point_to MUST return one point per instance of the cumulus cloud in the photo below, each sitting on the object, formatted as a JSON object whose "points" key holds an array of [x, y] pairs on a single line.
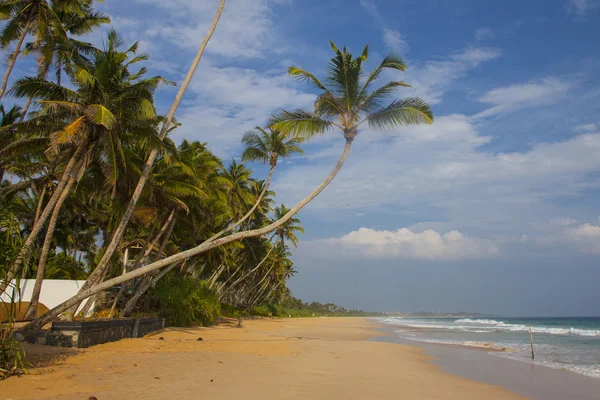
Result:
{"points": [[586, 237], [583, 236], [404, 243]]}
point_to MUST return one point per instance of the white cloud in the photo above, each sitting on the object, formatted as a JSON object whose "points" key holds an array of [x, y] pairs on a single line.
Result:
{"points": [[586, 128], [484, 34], [231, 100], [515, 97], [393, 39], [404, 243], [431, 79], [245, 30], [585, 237], [582, 8]]}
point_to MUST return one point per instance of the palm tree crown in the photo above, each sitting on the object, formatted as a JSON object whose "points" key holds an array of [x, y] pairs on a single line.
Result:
{"points": [[267, 147], [347, 99]]}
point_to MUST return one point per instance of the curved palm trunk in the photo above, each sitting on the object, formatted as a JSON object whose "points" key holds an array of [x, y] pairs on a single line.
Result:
{"points": [[39, 277], [25, 109], [142, 288], [247, 274], [249, 213], [261, 290], [13, 60], [273, 292], [50, 315], [37, 227], [118, 234], [154, 243], [38, 209], [147, 281]]}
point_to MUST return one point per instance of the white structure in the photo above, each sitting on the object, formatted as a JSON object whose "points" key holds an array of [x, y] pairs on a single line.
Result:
{"points": [[54, 291]]}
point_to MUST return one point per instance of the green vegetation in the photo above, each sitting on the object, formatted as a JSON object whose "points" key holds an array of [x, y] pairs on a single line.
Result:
{"points": [[185, 302], [99, 191]]}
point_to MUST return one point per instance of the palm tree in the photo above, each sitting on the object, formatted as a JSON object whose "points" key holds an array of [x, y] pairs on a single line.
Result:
{"points": [[166, 125], [58, 49], [7, 129], [346, 103], [110, 108], [31, 16], [287, 231]]}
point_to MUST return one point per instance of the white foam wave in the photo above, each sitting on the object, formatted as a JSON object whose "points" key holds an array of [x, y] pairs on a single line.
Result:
{"points": [[490, 325]]}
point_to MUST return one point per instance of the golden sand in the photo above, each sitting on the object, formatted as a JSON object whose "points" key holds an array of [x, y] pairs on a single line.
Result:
{"points": [[318, 358]]}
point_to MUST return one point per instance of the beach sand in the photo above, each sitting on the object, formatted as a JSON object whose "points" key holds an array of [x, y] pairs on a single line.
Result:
{"points": [[317, 358]]}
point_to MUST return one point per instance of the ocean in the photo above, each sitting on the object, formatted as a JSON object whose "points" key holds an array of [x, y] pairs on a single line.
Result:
{"points": [[561, 343]]}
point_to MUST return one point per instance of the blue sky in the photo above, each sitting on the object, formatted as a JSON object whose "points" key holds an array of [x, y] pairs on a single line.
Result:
{"points": [[494, 208]]}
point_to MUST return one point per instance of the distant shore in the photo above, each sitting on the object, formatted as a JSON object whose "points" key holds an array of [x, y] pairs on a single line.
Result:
{"points": [[328, 358]]}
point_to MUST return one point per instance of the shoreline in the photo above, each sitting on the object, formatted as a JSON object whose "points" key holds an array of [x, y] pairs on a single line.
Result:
{"points": [[287, 358], [478, 363]]}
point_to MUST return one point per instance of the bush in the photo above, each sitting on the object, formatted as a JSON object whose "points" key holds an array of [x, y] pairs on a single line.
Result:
{"points": [[187, 302], [11, 354]]}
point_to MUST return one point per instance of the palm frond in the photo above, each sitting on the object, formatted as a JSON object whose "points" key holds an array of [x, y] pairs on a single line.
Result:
{"points": [[299, 123], [409, 111]]}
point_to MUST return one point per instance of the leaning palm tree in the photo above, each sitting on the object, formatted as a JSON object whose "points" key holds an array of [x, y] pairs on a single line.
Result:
{"points": [[347, 101], [111, 107]]}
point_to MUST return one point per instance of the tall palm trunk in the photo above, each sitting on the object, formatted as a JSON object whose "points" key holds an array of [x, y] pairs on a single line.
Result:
{"points": [[13, 59], [37, 227], [39, 277], [50, 315], [147, 281], [261, 281], [118, 234], [25, 109], [247, 274], [154, 243], [142, 288], [38, 209]]}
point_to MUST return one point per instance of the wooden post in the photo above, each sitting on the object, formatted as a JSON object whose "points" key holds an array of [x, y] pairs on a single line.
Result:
{"points": [[531, 341]]}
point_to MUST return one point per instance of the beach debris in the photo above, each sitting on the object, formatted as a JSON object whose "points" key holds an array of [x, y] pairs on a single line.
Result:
{"points": [[92, 398], [211, 380], [161, 338], [239, 324], [156, 377], [199, 339]]}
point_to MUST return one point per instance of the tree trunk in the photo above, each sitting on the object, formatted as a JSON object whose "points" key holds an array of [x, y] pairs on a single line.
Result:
{"points": [[247, 274], [142, 288], [39, 277], [37, 227], [13, 60], [216, 275], [245, 217], [118, 234], [38, 209], [25, 109], [261, 281], [154, 243], [50, 315]]}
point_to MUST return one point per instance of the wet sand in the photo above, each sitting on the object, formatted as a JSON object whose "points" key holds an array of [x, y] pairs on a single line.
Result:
{"points": [[318, 358]]}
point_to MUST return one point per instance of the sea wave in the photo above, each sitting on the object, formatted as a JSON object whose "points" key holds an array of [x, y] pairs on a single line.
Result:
{"points": [[491, 325]]}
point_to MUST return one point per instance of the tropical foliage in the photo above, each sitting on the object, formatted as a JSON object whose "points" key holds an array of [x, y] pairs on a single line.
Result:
{"points": [[95, 188]]}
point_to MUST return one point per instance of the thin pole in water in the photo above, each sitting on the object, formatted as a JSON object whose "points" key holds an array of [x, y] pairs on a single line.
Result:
{"points": [[531, 341]]}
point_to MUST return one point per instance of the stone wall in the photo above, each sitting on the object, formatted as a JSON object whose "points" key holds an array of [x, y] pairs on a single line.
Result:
{"points": [[89, 333]]}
